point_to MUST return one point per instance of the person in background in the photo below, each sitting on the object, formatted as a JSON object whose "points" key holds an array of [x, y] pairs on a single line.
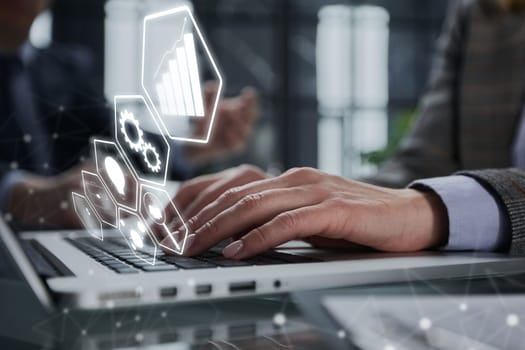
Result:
{"points": [[470, 118], [49, 110]]}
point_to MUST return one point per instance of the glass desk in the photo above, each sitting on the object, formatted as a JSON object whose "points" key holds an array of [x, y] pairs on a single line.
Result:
{"points": [[296, 321]]}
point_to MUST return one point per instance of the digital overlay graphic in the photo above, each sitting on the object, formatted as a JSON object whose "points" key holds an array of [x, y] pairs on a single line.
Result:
{"points": [[129, 191]]}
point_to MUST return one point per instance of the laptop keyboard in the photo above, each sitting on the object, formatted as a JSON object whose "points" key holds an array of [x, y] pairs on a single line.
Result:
{"points": [[115, 254]]}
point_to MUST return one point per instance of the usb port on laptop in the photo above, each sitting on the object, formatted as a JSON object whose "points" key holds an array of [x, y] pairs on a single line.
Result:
{"points": [[168, 292], [237, 287], [203, 289]]}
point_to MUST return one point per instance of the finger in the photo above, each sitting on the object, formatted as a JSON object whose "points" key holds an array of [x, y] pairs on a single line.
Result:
{"points": [[290, 225], [232, 178], [190, 189], [230, 196], [251, 211]]}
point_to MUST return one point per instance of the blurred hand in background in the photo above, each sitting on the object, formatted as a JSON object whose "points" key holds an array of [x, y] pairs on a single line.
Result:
{"points": [[232, 127]]}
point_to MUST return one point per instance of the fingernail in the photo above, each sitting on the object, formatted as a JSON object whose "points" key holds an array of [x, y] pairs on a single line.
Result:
{"points": [[189, 242], [232, 249]]}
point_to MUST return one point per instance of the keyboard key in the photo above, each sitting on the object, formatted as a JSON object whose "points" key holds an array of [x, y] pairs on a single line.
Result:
{"points": [[195, 264], [127, 270], [174, 259], [223, 262], [260, 260], [158, 268]]}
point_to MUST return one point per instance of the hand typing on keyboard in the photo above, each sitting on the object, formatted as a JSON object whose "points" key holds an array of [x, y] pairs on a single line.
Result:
{"points": [[260, 213]]}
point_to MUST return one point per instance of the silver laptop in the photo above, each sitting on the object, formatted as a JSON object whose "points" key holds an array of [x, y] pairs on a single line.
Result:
{"points": [[72, 269]]}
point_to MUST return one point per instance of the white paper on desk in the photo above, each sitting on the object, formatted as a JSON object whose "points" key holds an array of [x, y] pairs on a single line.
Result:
{"points": [[431, 322]]}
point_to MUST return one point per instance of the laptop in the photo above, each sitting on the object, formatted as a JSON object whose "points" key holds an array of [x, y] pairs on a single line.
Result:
{"points": [[74, 270]]}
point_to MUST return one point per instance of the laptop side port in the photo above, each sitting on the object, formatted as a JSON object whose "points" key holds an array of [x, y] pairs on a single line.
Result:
{"points": [[168, 292], [203, 289], [239, 287]]}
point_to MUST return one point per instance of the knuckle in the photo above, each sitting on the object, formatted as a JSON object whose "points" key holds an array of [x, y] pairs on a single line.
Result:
{"points": [[306, 174], [250, 170], [231, 195], [259, 237], [287, 221], [191, 223], [210, 228], [250, 202]]}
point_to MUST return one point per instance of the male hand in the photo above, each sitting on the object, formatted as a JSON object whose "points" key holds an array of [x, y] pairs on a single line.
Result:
{"points": [[232, 127], [306, 203]]}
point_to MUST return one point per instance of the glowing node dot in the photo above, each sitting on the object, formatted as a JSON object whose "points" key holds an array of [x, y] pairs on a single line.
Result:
{"points": [[91, 272], [55, 136], [191, 282], [64, 205], [110, 304], [41, 220], [163, 314], [31, 191], [341, 334], [463, 307], [425, 324], [512, 320], [389, 347], [137, 318], [65, 311], [84, 332], [14, 165], [8, 217], [27, 138], [45, 166], [279, 319], [139, 337], [82, 159], [61, 108], [118, 324]]}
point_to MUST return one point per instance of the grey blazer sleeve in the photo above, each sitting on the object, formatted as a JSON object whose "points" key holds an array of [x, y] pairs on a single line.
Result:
{"points": [[429, 149], [509, 187]]}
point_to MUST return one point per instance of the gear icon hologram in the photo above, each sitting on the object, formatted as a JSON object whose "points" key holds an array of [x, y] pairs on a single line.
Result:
{"points": [[150, 152], [150, 162], [135, 142]]}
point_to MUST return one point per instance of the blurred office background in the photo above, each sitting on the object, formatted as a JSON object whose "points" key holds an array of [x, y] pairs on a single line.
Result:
{"points": [[271, 44]]}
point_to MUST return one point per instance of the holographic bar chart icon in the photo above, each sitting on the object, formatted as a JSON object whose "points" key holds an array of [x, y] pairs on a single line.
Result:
{"points": [[178, 81]]}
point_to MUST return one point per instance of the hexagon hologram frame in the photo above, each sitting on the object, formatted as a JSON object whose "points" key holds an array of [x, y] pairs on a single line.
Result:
{"points": [[178, 245], [117, 100], [99, 234], [210, 58]]}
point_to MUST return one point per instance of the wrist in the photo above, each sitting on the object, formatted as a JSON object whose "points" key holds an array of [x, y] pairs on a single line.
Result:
{"points": [[432, 219]]}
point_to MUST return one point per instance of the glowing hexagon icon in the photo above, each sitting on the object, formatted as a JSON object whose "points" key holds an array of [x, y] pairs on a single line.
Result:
{"points": [[116, 174], [160, 213], [88, 216], [138, 236], [174, 56], [99, 198], [141, 139]]}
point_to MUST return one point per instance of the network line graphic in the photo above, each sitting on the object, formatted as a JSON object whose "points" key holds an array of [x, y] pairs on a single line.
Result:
{"points": [[128, 192]]}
